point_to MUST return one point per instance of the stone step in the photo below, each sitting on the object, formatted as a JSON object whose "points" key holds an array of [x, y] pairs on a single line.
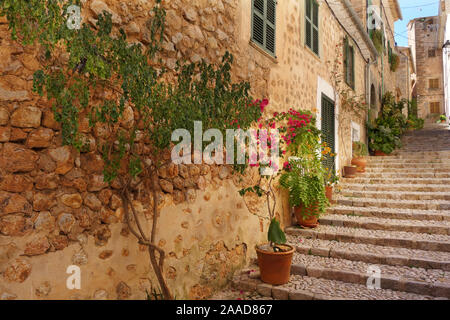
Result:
{"points": [[424, 165], [420, 149], [312, 288], [373, 254], [421, 241], [407, 170], [391, 203], [396, 195], [421, 154], [368, 181], [432, 282], [409, 175], [395, 187], [375, 223], [392, 159], [399, 214]]}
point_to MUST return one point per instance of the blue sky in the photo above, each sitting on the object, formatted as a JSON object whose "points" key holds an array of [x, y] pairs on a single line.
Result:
{"points": [[412, 9]]}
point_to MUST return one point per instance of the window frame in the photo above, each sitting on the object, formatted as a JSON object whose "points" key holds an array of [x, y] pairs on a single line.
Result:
{"points": [[432, 82], [436, 104], [265, 23]]}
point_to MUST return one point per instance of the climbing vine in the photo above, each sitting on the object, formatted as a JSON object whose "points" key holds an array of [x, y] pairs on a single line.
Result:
{"points": [[122, 88]]}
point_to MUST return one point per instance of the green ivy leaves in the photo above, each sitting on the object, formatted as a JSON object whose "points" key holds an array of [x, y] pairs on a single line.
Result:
{"points": [[101, 60]]}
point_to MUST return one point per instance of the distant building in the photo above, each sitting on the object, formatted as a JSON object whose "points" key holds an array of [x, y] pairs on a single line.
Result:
{"points": [[406, 74], [426, 40], [445, 38]]}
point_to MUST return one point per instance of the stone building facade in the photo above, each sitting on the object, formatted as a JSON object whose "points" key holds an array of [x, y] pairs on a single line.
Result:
{"points": [[424, 40], [56, 211], [405, 75]]}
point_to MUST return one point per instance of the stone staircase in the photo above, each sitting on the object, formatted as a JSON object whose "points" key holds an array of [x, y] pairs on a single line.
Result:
{"points": [[396, 216]]}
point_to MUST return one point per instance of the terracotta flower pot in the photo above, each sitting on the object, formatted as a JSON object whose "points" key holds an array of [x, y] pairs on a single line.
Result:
{"points": [[443, 121], [379, 153], [361, 163], [275, 267], [329, 193], [350, 172], [306, 217]]}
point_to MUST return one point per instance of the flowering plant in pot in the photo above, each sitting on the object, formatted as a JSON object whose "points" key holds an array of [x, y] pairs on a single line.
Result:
{"points": [[275, 257], [331, 180], [442, 118], [304, 177], [306, 184], [359, 153]]}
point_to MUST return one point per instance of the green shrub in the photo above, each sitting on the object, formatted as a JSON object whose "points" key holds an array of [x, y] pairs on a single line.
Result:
{"points": [[360, 149], [377, 39]]}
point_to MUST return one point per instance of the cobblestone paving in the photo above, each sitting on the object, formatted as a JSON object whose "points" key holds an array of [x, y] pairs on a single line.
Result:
{"points": [[396, 217]]}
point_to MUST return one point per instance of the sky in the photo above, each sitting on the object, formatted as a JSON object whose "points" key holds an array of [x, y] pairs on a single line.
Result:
{"points": [[412, 9]]}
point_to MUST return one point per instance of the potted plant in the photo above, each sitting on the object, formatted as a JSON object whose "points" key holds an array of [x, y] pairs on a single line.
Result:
{"points": [[443, 119], [274, 257], [360, 153], [350, 171], [331, 179], [306, 185], [382, 141]]}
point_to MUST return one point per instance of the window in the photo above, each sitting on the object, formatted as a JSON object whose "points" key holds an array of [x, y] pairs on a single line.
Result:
{"points": [[263, 24], [312, 26], [356, 132], [435, 107], [434, 83], [349, 64], [431, 53]]}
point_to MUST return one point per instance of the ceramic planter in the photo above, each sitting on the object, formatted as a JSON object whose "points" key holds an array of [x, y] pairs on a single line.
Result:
{"points": [[379, 153], [306, 217], [350, 172], [361, 163], [275, 267]]}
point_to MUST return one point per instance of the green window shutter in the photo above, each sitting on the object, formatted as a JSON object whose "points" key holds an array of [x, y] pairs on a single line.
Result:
{"points": [[270, 25], [308, 27], [263, 24], [315, 31], [346, 59], [328, 129], [349, 63], [312, 25], [352, 69], [258, 22]]}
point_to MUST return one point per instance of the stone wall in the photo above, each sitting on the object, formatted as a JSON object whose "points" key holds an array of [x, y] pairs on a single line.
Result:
{"points": [[56, 210]]}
